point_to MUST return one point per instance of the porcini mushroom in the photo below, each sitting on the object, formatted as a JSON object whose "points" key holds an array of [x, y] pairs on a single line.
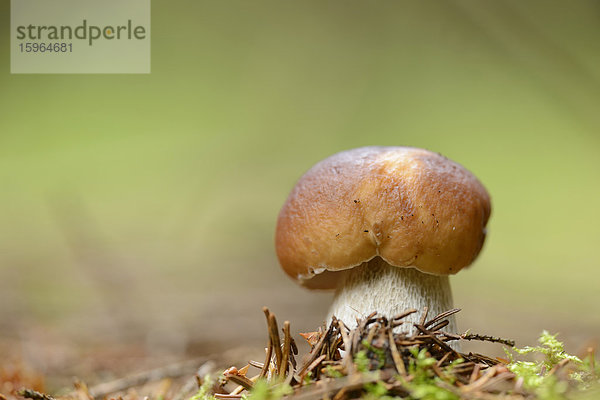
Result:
{"points": [[384, 227]]}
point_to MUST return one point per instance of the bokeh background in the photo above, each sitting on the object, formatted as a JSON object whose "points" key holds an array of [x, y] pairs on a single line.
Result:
{"points": [[137, 211]]}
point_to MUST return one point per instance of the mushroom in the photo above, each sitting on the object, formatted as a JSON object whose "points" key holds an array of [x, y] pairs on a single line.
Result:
{"points": [[384, 227]]}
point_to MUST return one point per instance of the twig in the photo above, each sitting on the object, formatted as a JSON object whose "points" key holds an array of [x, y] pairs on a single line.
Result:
{"points": [[34, 395], [241, 388], [558, 366], [227, 396], [256, 364], [441, 316], [486, 338], [169, 371], [478, 384], [275, 340], [269, 351], [191, 383], [286, 349], [266, 364], [240, 380], [424, 316], [475, 374], [437, 341], [356, 381], [440, 325], [312, 365], [334, 347], [502, 378], [347, 361], [395, 355], [442, 360], [316, 351], [404, 314]]}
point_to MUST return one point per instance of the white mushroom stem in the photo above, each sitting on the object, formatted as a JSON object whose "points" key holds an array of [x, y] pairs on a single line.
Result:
{"points": [[378, 286]]}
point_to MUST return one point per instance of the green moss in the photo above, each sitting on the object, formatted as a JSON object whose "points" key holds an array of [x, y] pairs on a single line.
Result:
{"points": [[545, 377], [379, 353], [361, 361], [538, 376], [376, 391], [552, 349], [308, 378], [263, 391], [425, 383], [332, 372], [206, 390]]}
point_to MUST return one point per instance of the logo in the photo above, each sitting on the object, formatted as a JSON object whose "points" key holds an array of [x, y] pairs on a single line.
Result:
{"points": [[80, 36]]}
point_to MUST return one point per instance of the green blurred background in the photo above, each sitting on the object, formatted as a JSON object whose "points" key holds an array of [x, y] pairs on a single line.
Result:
{"points": [[141, 208]]}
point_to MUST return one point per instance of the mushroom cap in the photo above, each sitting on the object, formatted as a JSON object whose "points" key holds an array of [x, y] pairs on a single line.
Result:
{"points": [[409, 206]]}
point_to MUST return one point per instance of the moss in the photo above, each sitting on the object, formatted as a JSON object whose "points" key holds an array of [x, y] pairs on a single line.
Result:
{"points": [[540, 376], [263, 391], [206, 390], [425, 383], [379, 353], [361, 361]]}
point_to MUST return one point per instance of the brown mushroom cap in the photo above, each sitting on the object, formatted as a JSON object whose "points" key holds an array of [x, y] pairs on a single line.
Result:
{"points": [[411, 207]]}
